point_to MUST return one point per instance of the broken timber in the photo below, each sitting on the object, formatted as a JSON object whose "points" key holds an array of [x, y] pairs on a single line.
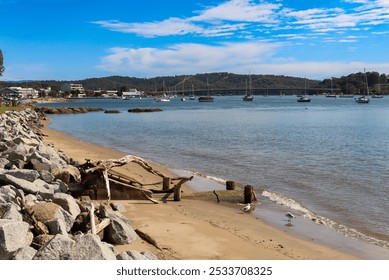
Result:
{"points": [[104, 167]]}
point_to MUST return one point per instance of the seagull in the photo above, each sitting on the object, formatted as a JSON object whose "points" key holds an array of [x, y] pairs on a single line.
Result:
{"points": [[290, 216], [246, 208]]}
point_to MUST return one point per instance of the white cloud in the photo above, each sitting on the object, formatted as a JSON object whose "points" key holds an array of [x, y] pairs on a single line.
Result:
{"points": [[240, 11], [213, 21], [230, 57], [171, 26], [250, 18], [186, 58]]}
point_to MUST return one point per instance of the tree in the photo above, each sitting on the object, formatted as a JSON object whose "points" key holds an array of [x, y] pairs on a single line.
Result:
{"points": [[1, 63]]}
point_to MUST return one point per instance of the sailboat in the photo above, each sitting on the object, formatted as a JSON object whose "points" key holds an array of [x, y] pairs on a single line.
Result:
{"points": [[206, 98], [331, 95], [163, 98], [364, 99], [248, 95], [304, 98]]}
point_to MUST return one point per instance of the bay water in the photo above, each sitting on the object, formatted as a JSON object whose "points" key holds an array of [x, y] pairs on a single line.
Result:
{"points": [[327, 161]]}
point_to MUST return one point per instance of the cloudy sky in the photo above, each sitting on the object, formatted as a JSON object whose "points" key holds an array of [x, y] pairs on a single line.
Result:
{"points": [[70, 39]]}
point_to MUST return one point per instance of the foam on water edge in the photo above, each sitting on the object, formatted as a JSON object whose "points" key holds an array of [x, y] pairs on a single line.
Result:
{"points": [[317, 219], [204, 182]]}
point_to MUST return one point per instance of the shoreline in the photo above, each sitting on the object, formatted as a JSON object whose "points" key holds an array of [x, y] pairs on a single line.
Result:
{"points": [[186, 230]]}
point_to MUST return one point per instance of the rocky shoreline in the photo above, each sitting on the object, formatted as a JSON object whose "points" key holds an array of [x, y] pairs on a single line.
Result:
{"points": [[39, 218]]}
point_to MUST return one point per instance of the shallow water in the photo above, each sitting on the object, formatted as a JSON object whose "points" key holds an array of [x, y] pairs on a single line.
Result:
{"points": [[327, 160]]}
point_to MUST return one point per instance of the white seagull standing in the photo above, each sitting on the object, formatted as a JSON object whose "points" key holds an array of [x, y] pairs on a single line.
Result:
{"points": [[246, 208]]}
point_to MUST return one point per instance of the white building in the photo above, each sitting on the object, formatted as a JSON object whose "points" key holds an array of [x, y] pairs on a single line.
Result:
{"points": [[73, 88], [133, 92], [26, 93], [106, 93]]}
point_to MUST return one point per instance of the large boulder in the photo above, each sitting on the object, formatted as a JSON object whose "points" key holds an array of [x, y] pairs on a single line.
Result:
{"points": [[119, 231], [90, 247], [58, 248], [13, 236], [25, 174], [53, 216], [68, 203], [24, 185]]}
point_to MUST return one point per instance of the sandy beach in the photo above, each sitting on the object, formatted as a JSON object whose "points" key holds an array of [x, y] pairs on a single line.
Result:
{"points": [[194, 228]]}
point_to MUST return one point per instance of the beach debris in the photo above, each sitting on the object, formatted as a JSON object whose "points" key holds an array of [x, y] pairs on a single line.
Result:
{"points": [[104, 166], [217, 196], [148, 238]]}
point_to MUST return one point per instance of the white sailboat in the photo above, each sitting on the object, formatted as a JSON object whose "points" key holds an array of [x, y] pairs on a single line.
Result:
{"points": [[304, 98], [364, 99], [248, 95]]}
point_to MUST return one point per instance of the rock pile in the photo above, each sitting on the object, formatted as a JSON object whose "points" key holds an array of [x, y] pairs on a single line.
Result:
{"points": [[67, 110], [39, 219]]}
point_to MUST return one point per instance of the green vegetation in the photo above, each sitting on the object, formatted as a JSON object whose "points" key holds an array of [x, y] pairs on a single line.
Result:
{"points": [[222, 83], [4, 108]]}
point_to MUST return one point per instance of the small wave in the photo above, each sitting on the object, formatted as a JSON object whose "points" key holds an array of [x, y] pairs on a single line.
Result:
{"points": [[306, 213], [213, 178]]}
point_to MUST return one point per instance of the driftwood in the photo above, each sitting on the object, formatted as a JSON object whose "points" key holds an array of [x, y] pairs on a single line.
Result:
{"points": [[217, 196], [105, 165], [148, 238], [103, 224], [92, 218], [178, 185], [149, 198]]}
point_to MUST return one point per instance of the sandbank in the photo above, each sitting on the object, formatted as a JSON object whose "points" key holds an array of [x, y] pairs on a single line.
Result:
{"points": [[193, 228]]}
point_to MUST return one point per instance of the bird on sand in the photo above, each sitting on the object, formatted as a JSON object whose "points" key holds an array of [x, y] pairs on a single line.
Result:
{"points": [[290, 216], [246, 208]]}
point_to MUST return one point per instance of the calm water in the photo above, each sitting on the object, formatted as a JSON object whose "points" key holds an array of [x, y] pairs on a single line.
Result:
{"points": [[327, 160]]}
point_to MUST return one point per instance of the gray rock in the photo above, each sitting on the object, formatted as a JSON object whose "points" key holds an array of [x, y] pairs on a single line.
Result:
{"points": [[57, 226], [24, 185], [7, 194], [25, 174], [130, 255], [60, 247], [46, 191], [26, 141], [149, 255], [25, 253], [13, 236], [68, 203], [90, 247], [3, 162], [119, 232], [46, 176], [12, 212]]}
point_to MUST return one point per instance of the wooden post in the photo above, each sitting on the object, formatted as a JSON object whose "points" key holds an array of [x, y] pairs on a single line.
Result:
{"points": [[166, 183], [230, 185], [248, 194], [177, 193]]}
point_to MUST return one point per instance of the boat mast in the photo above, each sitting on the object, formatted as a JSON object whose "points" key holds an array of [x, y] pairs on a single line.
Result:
{"points": [[366, 84]]}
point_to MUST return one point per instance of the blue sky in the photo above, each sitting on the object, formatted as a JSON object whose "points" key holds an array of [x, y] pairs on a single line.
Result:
{"points": [[71, 40]]}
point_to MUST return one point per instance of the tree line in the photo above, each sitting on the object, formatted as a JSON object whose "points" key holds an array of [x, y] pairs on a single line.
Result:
{"points": [[229, 82]]}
